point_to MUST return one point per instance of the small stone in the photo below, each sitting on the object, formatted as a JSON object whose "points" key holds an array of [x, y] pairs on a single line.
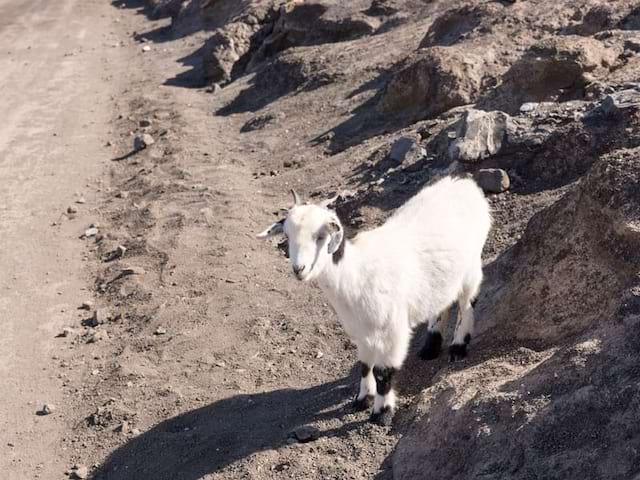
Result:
{"points": [[95, 372], [145, 122], [143, 141], [99, 317], [528, 107], [66, 332], [345, 194], [306, 434], [98, 336], [79, 471], [400, 148], [132, 271], [124, 428], [162, 115], [72, 210], [160, 331], [90, 232], [493, 180], [48, 409], [214, 88], [81, 201], [88, 305], [135, 432], [319, 355], [123, 194], [146, 48]]}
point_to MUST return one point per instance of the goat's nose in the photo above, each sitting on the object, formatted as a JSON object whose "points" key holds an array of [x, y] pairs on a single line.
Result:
{"points": [[298, 269]]}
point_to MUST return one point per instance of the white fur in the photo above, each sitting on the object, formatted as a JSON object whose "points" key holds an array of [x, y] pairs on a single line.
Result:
{"points": [[408, 271]]}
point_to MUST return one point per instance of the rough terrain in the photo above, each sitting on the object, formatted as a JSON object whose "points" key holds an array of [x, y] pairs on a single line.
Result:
{"points": [[184, 124]]}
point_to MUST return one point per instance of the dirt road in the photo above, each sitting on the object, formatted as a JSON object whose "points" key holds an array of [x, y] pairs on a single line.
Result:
{"points": [[56, 101], [249, 354]]}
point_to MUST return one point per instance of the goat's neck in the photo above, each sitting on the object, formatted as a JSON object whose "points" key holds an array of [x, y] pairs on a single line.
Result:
{"points": [[342, 277]]}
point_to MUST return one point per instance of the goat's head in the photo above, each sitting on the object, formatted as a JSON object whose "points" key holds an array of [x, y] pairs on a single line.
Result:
{"points": [[315, 234]]}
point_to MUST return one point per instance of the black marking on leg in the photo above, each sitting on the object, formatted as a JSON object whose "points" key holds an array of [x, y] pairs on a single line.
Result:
{"points": [[458, 351], [432, 346], [467, 338], [384, 417], [384, 379], [359, 405], [473, 302], [362, 404]]}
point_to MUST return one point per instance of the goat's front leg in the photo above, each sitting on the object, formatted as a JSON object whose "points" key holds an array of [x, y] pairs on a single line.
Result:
{"points": [[385, 400], [367, 388]]}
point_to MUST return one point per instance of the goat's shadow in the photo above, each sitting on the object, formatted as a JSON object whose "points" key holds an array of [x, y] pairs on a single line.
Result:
{"points": [[205, 440]]}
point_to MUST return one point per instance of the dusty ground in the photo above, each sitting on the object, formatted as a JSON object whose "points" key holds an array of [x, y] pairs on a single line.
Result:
{"points": [[201, 354], [57, 81]]}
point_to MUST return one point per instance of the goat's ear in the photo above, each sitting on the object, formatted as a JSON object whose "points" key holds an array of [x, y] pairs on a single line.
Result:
{"points": [[328, 201], [296, 198], [336, 235], [274, 229]]}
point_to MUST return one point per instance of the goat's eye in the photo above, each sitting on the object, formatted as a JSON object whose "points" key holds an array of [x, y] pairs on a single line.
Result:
{"points": [[321, 237]]}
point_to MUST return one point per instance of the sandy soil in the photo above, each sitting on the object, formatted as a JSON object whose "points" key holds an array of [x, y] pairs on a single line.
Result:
{"points": [[56, 104]]}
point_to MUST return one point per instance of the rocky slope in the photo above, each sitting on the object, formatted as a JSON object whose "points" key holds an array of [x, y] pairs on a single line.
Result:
{"points": [[218, 354]]}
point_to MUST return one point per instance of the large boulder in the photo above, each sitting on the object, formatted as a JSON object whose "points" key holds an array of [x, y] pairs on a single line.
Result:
{"points": [[224, 49], [325, 21], [458, 24], [479, 135], [314, 23], [557, 69], [435, 80]]}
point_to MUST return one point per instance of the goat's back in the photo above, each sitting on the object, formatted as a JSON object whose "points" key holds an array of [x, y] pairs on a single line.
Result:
{"points": [[451, 209]]}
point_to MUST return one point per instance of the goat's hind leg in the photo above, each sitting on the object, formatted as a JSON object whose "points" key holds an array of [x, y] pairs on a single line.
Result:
{"points": [[466, 320], [433, 343]]}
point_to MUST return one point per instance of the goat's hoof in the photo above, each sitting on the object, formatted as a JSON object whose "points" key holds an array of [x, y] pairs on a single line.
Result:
{"points": [[432, 346], [457, 352], [360, 405], [384, 417]]}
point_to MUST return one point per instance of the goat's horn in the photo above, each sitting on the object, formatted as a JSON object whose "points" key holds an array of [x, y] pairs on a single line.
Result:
{"points": [[296, 197]]}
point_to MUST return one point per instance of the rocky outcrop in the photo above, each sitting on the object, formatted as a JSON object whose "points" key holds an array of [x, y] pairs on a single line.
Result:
{"points": [[224, 49], [435, 80], [555, 69], [258, 34], [315, 23], [570, 303]]}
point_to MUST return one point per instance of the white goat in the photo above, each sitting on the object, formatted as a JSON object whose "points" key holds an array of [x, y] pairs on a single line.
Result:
{"points": [[385, 281]]}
